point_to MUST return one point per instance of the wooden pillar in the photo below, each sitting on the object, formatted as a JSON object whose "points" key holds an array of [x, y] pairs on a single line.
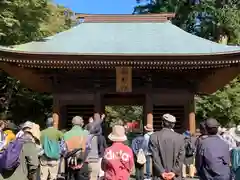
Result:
{"points": [[191, 116], [148, 110], [63, 117], [56, 112], [97, 103]]}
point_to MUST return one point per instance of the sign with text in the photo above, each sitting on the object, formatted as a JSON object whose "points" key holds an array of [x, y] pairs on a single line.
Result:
{"points": [[123, 79]]}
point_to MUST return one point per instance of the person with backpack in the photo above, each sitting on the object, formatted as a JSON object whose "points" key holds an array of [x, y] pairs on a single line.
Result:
{"points": [[97, 145], [117, 162], [213, 157], [138, 147], [19, 160], [149, 131], [49, 161], [76, 140], [189, 155]]}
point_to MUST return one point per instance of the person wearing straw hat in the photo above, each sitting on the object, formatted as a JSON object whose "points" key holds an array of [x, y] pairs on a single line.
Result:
{"points": [[117, 162], [29, 161], [168, 151], [27, 124], [149, 131]]}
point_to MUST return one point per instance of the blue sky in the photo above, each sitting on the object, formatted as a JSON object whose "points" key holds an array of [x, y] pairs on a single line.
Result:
{"points": [[100, 6]]}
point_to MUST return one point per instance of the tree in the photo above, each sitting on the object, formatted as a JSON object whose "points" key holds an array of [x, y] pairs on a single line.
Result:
{"points": [[20, 22], [123, 114], [223, 105], [209, 19]]}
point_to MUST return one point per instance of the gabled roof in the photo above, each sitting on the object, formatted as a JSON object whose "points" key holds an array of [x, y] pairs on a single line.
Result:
{"points": [[137, 38]]}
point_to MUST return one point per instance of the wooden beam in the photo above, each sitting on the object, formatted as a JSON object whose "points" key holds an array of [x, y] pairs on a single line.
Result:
{"points": [[27, 77], [218, 79]]}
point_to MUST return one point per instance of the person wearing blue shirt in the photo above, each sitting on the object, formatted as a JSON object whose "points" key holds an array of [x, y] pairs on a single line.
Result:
{"points": [[137, 144]]}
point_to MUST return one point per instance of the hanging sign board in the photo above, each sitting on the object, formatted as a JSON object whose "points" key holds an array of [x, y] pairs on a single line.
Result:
{"points": [[123, 79]]}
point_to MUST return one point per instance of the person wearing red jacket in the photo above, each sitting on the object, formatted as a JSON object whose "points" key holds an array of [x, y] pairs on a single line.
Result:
{"points": [[118, 161]]}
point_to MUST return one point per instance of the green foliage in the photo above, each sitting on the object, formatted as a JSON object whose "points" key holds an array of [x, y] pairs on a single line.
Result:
{"points": [[207, 18], [122, 114], [219, 19], [24, 21], [223, 105], [20, 22]]}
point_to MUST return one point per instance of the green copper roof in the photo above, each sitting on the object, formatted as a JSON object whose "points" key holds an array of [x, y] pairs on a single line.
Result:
{"points": [[125, 38]]}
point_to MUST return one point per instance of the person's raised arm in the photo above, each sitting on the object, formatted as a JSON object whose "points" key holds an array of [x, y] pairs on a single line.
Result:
{"points": [[96, 123]]}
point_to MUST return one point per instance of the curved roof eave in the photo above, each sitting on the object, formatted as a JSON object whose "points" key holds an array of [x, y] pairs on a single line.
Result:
{"points": [[11, 53]]}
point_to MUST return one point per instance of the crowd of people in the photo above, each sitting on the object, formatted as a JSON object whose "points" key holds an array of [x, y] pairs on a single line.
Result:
{"points": [[83, 153]]}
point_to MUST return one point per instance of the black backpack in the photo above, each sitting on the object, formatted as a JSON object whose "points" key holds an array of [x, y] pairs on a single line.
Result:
{"points": [[189, 147]]}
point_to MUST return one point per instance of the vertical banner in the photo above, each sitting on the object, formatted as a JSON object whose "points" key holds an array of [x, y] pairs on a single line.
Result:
{"points": [[123, 79]]}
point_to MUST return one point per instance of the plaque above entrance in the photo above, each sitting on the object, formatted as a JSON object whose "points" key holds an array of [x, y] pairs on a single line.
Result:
{"points": [[123, 79]]}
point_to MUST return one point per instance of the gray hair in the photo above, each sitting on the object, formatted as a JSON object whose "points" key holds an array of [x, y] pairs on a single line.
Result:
{"points": [[77, 120], [50, 122]]}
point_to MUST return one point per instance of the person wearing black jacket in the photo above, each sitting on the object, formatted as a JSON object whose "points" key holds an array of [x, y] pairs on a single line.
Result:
{"points": [[97, 143]]}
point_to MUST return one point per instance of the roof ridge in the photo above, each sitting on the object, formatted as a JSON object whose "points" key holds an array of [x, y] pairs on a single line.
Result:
{"points": [[121, 18]]}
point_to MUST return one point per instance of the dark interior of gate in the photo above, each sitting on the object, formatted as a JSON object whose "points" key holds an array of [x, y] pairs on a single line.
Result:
{"points": [[87, 110], [83, 92]]}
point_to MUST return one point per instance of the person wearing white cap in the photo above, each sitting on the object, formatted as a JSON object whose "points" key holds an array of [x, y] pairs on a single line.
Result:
{"points": [[168, 150]]}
